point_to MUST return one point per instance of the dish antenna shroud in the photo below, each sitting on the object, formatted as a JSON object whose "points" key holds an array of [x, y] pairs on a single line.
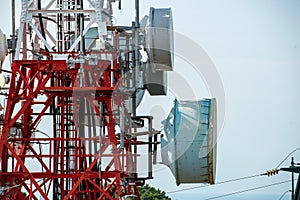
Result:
{"points": [[160, 47], [189, 148], [160, 38], [3, 48]]}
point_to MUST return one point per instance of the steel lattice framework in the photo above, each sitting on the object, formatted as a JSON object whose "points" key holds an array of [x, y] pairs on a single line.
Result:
{"points": [[91, 151]]}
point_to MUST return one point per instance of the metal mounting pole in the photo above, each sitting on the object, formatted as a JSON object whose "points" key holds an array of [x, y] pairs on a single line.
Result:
{"points": [[136, 69], [13, 15], [13, 26], [293, 163], [100, 136], [137, 13], [136, 54]]}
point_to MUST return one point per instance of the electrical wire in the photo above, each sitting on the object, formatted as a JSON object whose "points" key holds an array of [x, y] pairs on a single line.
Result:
{"points": [[8, 188], [287, 157], [222, 182], [43, 133], [233, 180], [284, 194], [248, 190]]}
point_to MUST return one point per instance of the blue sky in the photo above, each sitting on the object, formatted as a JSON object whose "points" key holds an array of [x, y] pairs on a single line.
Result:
{"points": [[255, 45]]}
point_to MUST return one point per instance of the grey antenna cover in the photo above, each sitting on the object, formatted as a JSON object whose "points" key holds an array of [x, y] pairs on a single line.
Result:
{"points": [[161, 40]]}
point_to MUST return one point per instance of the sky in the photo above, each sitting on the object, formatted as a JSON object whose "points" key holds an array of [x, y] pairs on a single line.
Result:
{"points": [[255, 47]]}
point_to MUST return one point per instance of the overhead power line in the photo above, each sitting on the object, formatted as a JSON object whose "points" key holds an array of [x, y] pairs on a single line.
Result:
{"points": [[287, 157], [250, 189], [222, 182], [284, 194], [269, 173]]}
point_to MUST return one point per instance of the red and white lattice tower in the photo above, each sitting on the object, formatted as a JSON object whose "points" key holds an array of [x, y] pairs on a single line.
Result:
{"points": [[75, 74]]}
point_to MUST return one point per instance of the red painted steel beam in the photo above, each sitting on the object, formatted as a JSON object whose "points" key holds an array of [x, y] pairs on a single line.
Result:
{"points": [[33, 80]]}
